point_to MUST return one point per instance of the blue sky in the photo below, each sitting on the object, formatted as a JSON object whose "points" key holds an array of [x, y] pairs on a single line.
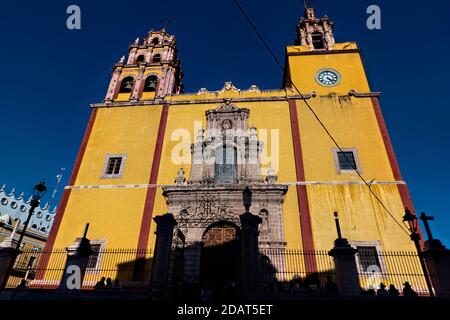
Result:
{"points": [[52, 74]]}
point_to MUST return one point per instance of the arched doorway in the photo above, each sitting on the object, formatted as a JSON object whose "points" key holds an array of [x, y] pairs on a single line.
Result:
{"points": [[221, 256]]}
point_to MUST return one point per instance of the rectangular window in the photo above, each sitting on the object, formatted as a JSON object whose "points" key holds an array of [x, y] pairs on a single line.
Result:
{"points": [[368, 256], [113, 166], [346, 161], [93, 258]]}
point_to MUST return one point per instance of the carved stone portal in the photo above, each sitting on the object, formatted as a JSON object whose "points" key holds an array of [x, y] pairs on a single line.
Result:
{"points": [[226, 159]]}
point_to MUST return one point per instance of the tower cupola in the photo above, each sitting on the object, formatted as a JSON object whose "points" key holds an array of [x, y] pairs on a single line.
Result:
{"points": [[313, 32], [151, 70]]}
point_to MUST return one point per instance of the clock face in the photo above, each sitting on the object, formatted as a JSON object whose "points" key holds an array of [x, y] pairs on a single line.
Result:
{"points": [[328, 77]]}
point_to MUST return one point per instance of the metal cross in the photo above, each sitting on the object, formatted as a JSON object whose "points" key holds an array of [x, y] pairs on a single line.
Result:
{"points": [[425, 220]]}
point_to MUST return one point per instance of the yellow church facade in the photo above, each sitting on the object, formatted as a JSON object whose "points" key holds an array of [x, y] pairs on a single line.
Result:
{"points": [[138, 156]]}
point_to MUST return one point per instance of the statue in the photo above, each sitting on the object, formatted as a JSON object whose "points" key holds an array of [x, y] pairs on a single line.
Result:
{"points": [[226, 124], [180, 179]]}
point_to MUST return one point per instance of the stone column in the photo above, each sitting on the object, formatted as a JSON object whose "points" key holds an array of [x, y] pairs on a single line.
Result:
{"points": [[191, 259], [250, 257], [437, 259], [8, 255], [77, 259], [346, 270], [163, 247], [139, 85], [114, 83]]}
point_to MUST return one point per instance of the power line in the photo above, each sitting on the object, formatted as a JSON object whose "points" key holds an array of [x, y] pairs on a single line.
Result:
{"points": [[260, 37]]}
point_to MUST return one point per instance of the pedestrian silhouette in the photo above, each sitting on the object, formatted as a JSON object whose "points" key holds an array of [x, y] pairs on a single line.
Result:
{"points": [[393, 291], [382, 292], [408, 291], [109, 284], [22, 284], [100, 284]]}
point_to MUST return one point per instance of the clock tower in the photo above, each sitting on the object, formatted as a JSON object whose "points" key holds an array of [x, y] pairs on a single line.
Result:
{"points": [[317, 63]]}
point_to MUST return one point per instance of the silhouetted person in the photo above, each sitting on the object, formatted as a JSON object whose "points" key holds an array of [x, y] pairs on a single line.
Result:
{"points": [[100, 285], [408, 291], [22, 284], [331, 286], [108, 284], [382, 292], [393, 291]]}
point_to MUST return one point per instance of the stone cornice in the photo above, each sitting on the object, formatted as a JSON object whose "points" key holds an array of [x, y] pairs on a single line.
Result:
{"points": [[219, 100], [355, 94], [317, 52], [228, 188]]}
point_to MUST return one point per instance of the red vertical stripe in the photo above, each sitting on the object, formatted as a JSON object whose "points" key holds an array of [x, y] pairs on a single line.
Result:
{"points": [[151, 192], [65, 197], [302, 193], [402, 189]]}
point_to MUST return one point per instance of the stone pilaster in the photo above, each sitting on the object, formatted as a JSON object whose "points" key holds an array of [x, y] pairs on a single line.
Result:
{"points": [[346, 270], [8, 255], [163, 246], [138, 86], [77, 256], [192, 260], [250, 257], [113, 84], [437, 259]]}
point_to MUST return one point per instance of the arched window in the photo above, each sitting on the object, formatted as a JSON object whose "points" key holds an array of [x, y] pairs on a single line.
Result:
{"points": [[155, 40], [225, 168], [140, 59], [156, 58], [317, 39], [126, 85], [150, 84]]}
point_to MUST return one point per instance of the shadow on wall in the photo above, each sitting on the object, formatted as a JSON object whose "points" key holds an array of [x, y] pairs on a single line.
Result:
{"points": [[280, 273]]}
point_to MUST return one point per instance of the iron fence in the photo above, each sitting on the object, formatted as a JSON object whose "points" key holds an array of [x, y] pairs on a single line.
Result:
{"points": [[391, 268], [310, 271], [293, 270], [127, 268], [296, 270]]}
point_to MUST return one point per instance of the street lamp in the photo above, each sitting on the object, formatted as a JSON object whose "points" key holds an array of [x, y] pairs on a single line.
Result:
{"points": [[413, 224], [38, 192]]}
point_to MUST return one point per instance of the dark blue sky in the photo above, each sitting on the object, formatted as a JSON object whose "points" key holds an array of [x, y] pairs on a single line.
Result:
{"points": [[50, 74]]}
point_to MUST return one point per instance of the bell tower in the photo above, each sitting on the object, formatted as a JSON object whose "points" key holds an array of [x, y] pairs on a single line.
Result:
{"points": [[151, 70], [316, 63], [313, 32]]}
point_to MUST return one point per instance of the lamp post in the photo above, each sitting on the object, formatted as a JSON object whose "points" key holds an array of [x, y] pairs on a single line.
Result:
{"points": [[38, 192], [412, 224]]}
